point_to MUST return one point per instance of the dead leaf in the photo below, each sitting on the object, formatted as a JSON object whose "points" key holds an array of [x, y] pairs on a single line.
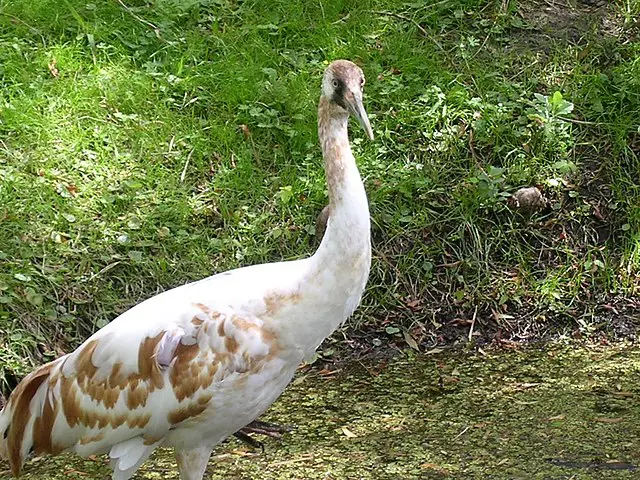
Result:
{"points": [[597, 213], [557, 417], [243, 453], [52, 68], [413, 304], [72, 189], [299, 379], [611, 308], [507, 343], [447, 380], [608, 420], [348, 433], [433, 351], [525, 386], [245, 131], [410, 341], [461, 321], [623, 394], [433, 466]]}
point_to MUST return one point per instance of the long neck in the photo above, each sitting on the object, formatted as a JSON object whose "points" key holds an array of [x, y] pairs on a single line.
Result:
{"points": [[348, 227], [331, 284]]}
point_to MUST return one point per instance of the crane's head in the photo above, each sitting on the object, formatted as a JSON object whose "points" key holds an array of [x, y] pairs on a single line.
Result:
{"points": [[342, 85]]}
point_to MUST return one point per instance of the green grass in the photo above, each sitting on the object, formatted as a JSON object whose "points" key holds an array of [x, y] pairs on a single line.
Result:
{"points": [[102, 109]]}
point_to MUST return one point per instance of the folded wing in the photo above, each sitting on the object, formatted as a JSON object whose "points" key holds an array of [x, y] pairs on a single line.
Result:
{"points": [[125, 389]]}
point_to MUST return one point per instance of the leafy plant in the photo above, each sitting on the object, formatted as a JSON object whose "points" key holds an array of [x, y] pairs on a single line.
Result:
{"points": [[549, 114], [490, 186]]}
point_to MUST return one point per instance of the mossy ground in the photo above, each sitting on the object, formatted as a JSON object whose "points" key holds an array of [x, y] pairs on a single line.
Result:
{"points": [[557, 412]]}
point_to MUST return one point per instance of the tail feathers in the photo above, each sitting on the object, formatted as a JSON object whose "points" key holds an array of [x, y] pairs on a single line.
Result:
{"points": [[127, 456], [17, 418]]}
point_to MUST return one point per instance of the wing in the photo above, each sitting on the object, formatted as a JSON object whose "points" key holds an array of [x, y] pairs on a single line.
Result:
{"points": [[133, 382]]}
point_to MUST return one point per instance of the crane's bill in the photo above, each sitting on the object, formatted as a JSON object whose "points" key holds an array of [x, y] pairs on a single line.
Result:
{"points": [[358, 111]]}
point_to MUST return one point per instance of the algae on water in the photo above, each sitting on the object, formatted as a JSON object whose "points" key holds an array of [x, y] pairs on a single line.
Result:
{"points": [[553, 413]]}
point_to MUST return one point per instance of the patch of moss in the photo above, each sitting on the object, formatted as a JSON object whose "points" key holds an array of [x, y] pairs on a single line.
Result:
{"points": [[555, 412]]}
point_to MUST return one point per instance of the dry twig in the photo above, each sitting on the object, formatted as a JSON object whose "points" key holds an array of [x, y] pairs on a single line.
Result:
{"points": [[473, 322], [186, 164], [411, 20], [155, 29]]}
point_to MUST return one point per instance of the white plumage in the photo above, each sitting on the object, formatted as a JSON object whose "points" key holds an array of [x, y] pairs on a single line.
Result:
{"points": [[191, 366]]}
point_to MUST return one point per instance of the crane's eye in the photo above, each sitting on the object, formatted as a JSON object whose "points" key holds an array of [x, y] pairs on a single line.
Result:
{"points": [[335, 84], [362, 82]]}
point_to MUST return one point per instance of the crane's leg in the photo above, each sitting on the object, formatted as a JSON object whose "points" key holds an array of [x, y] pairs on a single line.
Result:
{"points": [[193, 463], [272, 430]]}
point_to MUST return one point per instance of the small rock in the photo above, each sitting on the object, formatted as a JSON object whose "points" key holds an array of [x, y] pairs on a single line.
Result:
{"points": [[528, 199]]}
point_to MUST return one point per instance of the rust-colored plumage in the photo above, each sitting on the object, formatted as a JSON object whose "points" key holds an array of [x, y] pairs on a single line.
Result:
{"points": [[19, 401]]}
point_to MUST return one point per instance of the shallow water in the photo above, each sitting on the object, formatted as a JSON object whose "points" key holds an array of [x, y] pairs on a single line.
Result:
{"points": [[552, 413]]}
